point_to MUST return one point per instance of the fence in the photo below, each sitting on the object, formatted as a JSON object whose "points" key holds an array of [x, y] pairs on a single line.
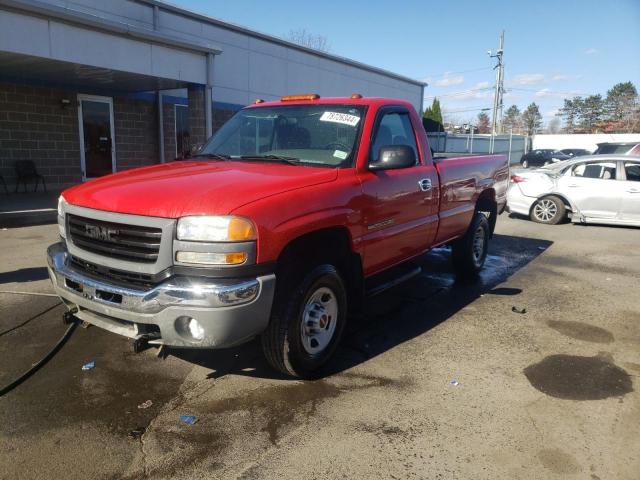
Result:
{"points": [[514, 146]]}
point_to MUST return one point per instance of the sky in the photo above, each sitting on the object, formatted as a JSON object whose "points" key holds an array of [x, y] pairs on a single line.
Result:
{"points": [[554, 49]]}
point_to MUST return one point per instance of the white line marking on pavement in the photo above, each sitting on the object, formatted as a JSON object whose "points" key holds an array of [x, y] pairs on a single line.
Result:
{"points": [[30, 293]]}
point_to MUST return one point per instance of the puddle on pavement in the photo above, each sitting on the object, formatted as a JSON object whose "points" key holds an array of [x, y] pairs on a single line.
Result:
{"points": [[581, 331], [61, 394], [271, 411], [579, 378], [558, 461], [280, 404]]}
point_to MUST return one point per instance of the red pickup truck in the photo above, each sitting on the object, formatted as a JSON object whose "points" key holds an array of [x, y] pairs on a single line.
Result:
{"points": [[281, 225]]}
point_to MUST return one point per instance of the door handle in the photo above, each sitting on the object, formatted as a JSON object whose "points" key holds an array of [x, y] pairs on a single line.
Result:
{"points": [[425, 184], [633, 190], [573, 185]]}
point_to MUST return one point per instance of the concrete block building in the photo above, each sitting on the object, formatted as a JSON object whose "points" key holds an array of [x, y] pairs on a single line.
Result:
{"points": [[91, 87]]}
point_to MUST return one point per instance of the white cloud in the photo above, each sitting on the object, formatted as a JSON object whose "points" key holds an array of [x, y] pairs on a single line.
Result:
{"points": [[528, 79], [591, 51], [561, 77], [449, 80], [548, 93]]}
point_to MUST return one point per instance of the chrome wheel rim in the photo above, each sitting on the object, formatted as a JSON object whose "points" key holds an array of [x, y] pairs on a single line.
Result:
{"points": [[525, 164], [545, 210], [319, 319], [478, 245]]}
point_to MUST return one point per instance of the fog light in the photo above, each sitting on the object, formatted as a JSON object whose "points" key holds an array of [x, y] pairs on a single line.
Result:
{"points": [[190, 328]]}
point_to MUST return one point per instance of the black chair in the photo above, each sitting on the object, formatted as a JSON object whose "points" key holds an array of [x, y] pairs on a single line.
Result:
{"points": [[25, 172], [4, 185]]}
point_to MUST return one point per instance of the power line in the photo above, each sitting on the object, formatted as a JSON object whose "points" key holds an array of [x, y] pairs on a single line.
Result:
{"points": [[457, 94], [456, 73], [545, 91], [467, 110]]}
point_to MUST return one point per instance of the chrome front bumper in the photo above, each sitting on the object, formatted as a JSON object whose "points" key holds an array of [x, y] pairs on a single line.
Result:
{"points": [[229, 311]]}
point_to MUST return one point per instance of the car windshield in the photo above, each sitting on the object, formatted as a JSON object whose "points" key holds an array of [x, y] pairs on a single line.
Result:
{"points": [[318, 135], [612, 148]]}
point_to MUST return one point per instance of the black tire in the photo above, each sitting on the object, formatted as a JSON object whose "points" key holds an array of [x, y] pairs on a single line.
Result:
{"points": [[282, 342], [549, 210], [467, 259], [525, 163]]}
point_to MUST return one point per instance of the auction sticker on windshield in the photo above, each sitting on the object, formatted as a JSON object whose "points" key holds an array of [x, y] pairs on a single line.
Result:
{"points": [[337, 117]]}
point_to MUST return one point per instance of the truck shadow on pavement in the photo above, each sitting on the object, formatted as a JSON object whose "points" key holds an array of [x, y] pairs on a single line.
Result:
{"points": [[23, 275], [397, 315]]}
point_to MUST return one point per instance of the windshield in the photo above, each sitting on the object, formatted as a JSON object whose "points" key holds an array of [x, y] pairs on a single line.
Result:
{"points": [[612, 148], [319, 135]]}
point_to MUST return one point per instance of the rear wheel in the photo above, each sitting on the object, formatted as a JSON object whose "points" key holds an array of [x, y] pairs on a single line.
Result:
{"points": [[549, 210], [470, 251], [307, 321]]}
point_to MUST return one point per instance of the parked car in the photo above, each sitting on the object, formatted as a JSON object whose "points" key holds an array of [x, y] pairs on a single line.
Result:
{"points": [[286, 219], [619, 148], [594, 189], [575, 152], [542, 157]]}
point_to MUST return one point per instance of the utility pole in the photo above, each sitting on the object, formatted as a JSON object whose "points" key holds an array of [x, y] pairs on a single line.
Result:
{"points": [[499, 90]]}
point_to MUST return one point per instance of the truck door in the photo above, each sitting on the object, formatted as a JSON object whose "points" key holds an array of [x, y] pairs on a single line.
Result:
{"points": [[401, 211]]}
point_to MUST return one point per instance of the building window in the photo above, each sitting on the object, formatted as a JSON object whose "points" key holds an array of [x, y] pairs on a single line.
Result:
{"points": [[183, 143]]}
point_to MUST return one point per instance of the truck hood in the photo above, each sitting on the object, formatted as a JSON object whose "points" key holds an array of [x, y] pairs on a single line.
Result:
{"points": [[183, 188]]}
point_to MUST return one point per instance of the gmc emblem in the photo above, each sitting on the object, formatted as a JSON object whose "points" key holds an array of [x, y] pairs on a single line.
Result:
{"points": [[100, 233]]}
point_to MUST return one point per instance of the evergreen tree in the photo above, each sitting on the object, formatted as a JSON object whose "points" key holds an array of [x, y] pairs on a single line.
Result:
{"points": [[483, 123], [432, 117], [512, 120], [434, 112], [592, 113], [532, 119]]}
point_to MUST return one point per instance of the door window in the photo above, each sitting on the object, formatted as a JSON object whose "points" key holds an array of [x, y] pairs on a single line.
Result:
{"points": [[600, 170], [632, 171], [394, 129]]}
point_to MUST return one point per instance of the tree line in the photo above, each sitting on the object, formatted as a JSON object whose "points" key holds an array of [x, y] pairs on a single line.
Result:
{"points": [[617, 112]]}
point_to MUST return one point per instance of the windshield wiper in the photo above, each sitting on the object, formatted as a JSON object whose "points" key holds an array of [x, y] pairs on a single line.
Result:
{"points": [[215, 156], [275, 158]]}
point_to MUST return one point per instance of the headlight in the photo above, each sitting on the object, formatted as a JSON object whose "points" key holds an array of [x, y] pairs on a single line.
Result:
{"points": [[61, 208], [226, 228]]}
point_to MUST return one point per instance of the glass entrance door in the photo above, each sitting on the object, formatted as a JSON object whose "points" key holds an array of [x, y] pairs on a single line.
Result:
{"points": [[97, 145]]}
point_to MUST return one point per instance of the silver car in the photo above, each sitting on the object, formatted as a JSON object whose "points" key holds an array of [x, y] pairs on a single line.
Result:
{"points": [[601, 189]]}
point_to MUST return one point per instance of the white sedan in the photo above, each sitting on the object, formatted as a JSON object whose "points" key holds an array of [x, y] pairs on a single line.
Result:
{"points": [[595, 189]]}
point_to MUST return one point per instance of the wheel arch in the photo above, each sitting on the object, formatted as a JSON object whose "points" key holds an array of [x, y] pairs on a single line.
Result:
{"points": [[330, 244], [487, 202], [562, 197]]}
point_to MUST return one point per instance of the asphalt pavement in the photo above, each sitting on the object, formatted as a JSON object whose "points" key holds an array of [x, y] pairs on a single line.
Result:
{"points": [[530, 373]]}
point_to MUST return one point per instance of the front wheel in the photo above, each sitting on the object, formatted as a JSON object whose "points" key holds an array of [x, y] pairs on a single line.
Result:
{"points": [[307, 321], [549, 210], [470, 251], [525, 163]]}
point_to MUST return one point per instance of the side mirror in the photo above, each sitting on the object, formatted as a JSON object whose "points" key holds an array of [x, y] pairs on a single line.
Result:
{"points": [[393, 157]]}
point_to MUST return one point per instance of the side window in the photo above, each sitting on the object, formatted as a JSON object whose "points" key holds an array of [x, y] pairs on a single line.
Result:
{"points": [[601, 170], [632, 171], [394, 129]]}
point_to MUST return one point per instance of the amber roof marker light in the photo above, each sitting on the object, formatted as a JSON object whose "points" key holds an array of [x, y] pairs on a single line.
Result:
{"points": [[297, 98], [356, 96], [259, 100]]}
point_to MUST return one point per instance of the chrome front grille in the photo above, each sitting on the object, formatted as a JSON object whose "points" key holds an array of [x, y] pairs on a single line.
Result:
{"points": [[134, 243]]}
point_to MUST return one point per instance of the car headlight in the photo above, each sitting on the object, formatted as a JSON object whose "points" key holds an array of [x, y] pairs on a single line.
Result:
{"points": [[224, 228], [61, 208]]}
